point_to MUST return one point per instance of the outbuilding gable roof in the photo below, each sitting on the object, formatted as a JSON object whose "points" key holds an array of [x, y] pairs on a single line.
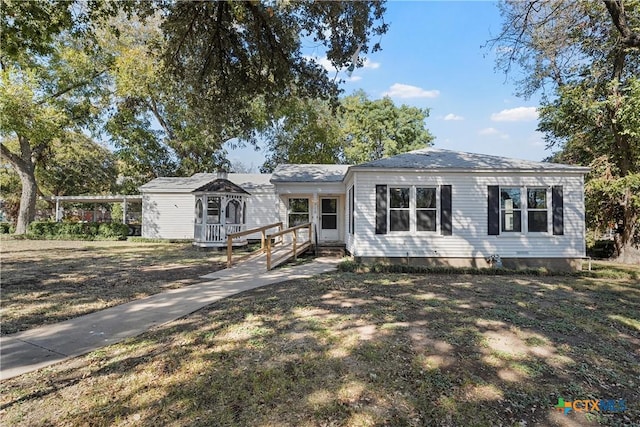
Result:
{"points": [[436, 158], [309, 173], [250, 182], [220, 185]]}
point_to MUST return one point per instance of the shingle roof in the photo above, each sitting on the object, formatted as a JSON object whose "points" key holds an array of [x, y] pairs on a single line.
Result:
{"points": [[220, 185], [309, 173], [436, 158], [249, 182]]}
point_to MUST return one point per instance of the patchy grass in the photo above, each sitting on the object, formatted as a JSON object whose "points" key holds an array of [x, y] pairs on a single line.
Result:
{"points": [[49, 281], [361, 350]]}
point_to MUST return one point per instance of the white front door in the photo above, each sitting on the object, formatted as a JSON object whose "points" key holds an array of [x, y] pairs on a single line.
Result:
{"points": [[329, 219]]}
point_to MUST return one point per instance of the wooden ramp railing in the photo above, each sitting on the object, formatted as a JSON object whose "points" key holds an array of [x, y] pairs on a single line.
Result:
{"points": [[297, 247], [263, 239], [275, 254]]}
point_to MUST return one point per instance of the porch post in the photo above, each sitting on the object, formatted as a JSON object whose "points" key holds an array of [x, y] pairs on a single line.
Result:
{"points": [[58, 213], [124, 210]]}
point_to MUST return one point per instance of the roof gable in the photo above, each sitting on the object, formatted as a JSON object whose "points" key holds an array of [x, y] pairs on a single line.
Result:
{"points": [[220, 185], [309, 173], [250, 182]]}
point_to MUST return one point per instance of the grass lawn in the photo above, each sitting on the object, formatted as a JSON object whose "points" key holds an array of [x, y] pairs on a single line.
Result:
{"points": [[49, 281], [362, 350]]}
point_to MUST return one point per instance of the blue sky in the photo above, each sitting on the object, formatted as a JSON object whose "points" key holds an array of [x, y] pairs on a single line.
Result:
{"points": [[432, 57]]}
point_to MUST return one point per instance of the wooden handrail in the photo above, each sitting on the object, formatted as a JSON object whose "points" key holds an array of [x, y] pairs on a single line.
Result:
{"points": [[289, 230], [254, 230], [262, 230], [295, 245]]}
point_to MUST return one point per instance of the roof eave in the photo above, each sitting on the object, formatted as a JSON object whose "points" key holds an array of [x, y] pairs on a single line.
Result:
{"points": [[572, 170]]}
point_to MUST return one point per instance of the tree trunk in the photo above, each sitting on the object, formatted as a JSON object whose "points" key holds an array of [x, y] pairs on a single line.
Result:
{"points": [[24, 166], [27, 211], [628, 253]]}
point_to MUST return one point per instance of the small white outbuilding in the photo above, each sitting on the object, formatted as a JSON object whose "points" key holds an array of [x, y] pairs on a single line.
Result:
{"points": [[180, 208]]}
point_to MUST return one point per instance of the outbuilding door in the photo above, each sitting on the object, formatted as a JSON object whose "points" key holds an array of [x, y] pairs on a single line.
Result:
{"points": [[329, 219]]}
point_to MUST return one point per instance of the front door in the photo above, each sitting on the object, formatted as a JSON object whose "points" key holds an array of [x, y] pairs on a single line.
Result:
{"points": [[329, 219]]}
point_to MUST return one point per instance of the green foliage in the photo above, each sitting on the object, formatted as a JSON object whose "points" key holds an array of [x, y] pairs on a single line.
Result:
{"points": [[78, 230], [76, 165], [357, 131], [375, 129], [117, 212], [113, 229], [225, 55], [308, 132], [588, 56], [6, 228]]}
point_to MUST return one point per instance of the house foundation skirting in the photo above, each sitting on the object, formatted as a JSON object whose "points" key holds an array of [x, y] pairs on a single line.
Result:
{"points": [[553, 264]]}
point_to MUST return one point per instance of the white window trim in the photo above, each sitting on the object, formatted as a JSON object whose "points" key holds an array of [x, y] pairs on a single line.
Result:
{"points": [[413, 221], [290, 212], [524, 212]]}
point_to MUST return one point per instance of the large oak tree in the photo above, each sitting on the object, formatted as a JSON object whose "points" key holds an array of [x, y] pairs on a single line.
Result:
{"points": [[230, 66], [585, 59]]}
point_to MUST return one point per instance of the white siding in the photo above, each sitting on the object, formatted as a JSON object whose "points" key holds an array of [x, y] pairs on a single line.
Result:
{"points": [[262, 209], [171, 215], [469, 214], [168, 215]]}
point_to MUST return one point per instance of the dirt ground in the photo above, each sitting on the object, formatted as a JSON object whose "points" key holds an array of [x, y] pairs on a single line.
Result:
{"points": [[50, 281], [347, 349]]}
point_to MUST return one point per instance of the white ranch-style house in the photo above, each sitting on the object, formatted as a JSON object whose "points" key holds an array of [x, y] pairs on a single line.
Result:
{"points": [[428, 206]]}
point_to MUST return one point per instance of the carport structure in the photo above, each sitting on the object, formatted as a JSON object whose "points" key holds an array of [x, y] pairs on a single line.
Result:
{"points": [[99, 199]]}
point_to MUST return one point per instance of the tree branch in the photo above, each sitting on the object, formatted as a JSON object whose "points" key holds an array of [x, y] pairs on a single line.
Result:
{"points": [[153, 106], [73, 86], [16, 161], [616, 10]]}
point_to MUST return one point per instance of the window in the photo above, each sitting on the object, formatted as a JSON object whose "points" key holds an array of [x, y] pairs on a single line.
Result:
{"points": [[213, 210], [329, 216], [399, 210], [233, 212], [426, 209], [537, 209], [199, 211], [414, 209], [525, 209], [510, 209], [298, 212]]}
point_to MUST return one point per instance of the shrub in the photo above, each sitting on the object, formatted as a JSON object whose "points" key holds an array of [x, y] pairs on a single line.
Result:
{"points": [[349, 265], [42, 228], [602, 249], [77, 230], [113, 229], [6, 228]]}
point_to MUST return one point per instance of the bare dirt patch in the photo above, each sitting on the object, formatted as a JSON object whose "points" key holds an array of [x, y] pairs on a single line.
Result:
{"points": [[45, 282], [362, 350]]}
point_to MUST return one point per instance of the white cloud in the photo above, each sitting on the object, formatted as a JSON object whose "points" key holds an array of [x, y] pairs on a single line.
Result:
{"points": [[324, 62], [518, 114], [399, 90], [493, 132], [370, 64], [453, 117]]}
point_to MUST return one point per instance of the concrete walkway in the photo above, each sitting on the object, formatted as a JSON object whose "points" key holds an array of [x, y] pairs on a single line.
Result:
{"points": [[36, 348]]}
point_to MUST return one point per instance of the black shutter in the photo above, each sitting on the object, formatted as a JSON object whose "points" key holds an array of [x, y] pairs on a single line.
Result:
{"points": [[445, 210], [381, 209], [493, 209], [558, 213]]}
